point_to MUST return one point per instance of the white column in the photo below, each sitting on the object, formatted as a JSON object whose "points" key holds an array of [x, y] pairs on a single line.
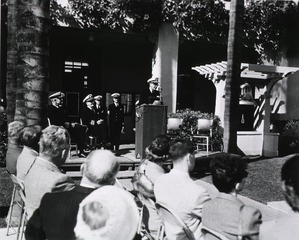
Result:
{"points": [[220, 100], [165, 65]]}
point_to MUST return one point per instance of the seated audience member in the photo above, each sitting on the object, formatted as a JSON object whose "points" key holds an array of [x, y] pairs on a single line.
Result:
{"points": [[44, 175], [143, 181], [57, 116], [179, 192], [14, 147], [56, 216], [108, 213], [29, 138], [227, 214], [286, 227]]}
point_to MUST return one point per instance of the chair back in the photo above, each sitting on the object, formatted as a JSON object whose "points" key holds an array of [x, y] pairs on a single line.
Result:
{"points": [[172, 221], [18, 198], [15, 182], [210, 234], [142, 228]]}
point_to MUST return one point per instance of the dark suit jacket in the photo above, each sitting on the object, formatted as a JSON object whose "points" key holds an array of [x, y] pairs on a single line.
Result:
{"points": [[148, 97], [116, 115], [56, 216], [87, 116], [57, 116], [100, 113]]}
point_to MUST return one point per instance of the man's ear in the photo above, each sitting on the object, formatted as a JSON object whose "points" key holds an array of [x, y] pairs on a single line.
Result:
{"points": [[240, 186], [64, 153], [188, 158], [82, 168], [290, 196], [287, 189]]}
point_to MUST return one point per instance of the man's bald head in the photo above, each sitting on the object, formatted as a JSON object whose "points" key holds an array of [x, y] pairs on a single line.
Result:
{"points": [[100, 168]]}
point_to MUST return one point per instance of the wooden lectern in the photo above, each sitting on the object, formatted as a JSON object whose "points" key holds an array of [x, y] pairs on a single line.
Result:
{"points": [[151, 120]]}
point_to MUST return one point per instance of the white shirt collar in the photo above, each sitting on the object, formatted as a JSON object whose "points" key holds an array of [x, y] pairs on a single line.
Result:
{"points": [[177, 171], [44, 160], [87, 185]]}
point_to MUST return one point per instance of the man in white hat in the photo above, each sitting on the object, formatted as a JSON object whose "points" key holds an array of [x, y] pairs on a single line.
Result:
{"points": [[116, 120], [108, 213], [56, 114], [100, 121], [151, 95], [89, 115]]}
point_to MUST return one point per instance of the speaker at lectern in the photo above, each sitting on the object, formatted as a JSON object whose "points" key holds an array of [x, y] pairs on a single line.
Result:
{"points": [[151, 120]]}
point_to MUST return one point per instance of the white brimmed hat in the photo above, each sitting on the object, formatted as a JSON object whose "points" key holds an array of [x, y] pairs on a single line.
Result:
{"points": [[153, 80], [108, 213], [88, 98], [57, 95], [98, 97], [115, 95]]}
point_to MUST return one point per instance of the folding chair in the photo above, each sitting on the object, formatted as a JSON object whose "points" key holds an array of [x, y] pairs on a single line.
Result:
{"points": [[73, 146], [203, 142], [212, 233], [142, 229], [24, 218], [172, 220], [16, 200]]}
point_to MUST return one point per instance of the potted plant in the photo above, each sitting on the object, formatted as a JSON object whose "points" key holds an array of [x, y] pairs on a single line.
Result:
{"points": [[174, 121], [187, 122], [204, 121]]}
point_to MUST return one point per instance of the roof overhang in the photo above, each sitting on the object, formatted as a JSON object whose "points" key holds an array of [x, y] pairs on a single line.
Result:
{"points": [[217, 71]]}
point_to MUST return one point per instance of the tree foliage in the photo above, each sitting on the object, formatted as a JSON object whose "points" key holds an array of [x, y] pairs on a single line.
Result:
{"points": [[269, 26]]}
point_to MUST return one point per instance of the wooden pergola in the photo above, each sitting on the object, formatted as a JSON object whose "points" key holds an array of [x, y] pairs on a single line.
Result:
{"points": [[262, 78]]}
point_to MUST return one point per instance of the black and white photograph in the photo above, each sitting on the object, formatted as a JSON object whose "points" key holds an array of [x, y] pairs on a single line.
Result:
{"points": [[149, 119]]}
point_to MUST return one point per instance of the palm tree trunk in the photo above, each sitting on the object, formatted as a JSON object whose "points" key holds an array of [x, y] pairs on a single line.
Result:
{"points": [[11, 78], [33, 41], [232, 87]]}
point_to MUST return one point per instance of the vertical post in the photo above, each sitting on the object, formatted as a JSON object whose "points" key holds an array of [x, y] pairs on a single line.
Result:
{"points": [[165, 65], [232, 87], [1, 54]]}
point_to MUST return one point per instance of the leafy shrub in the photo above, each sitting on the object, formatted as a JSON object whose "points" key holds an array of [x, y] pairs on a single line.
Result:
{"points": [[291, 132], [289, 136], [3, 136]]}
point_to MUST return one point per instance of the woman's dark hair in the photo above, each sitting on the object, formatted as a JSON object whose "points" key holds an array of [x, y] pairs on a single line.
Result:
{"points": [[227, 170], [158, 150], [290, 173]]}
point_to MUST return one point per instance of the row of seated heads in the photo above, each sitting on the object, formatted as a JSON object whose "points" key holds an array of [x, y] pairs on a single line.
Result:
{"points": [[226, 169], [51, 140], [102, 215]]}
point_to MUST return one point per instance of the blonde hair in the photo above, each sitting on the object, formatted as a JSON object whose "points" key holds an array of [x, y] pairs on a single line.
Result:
{"points": [[14, 130], [54, 140]]}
